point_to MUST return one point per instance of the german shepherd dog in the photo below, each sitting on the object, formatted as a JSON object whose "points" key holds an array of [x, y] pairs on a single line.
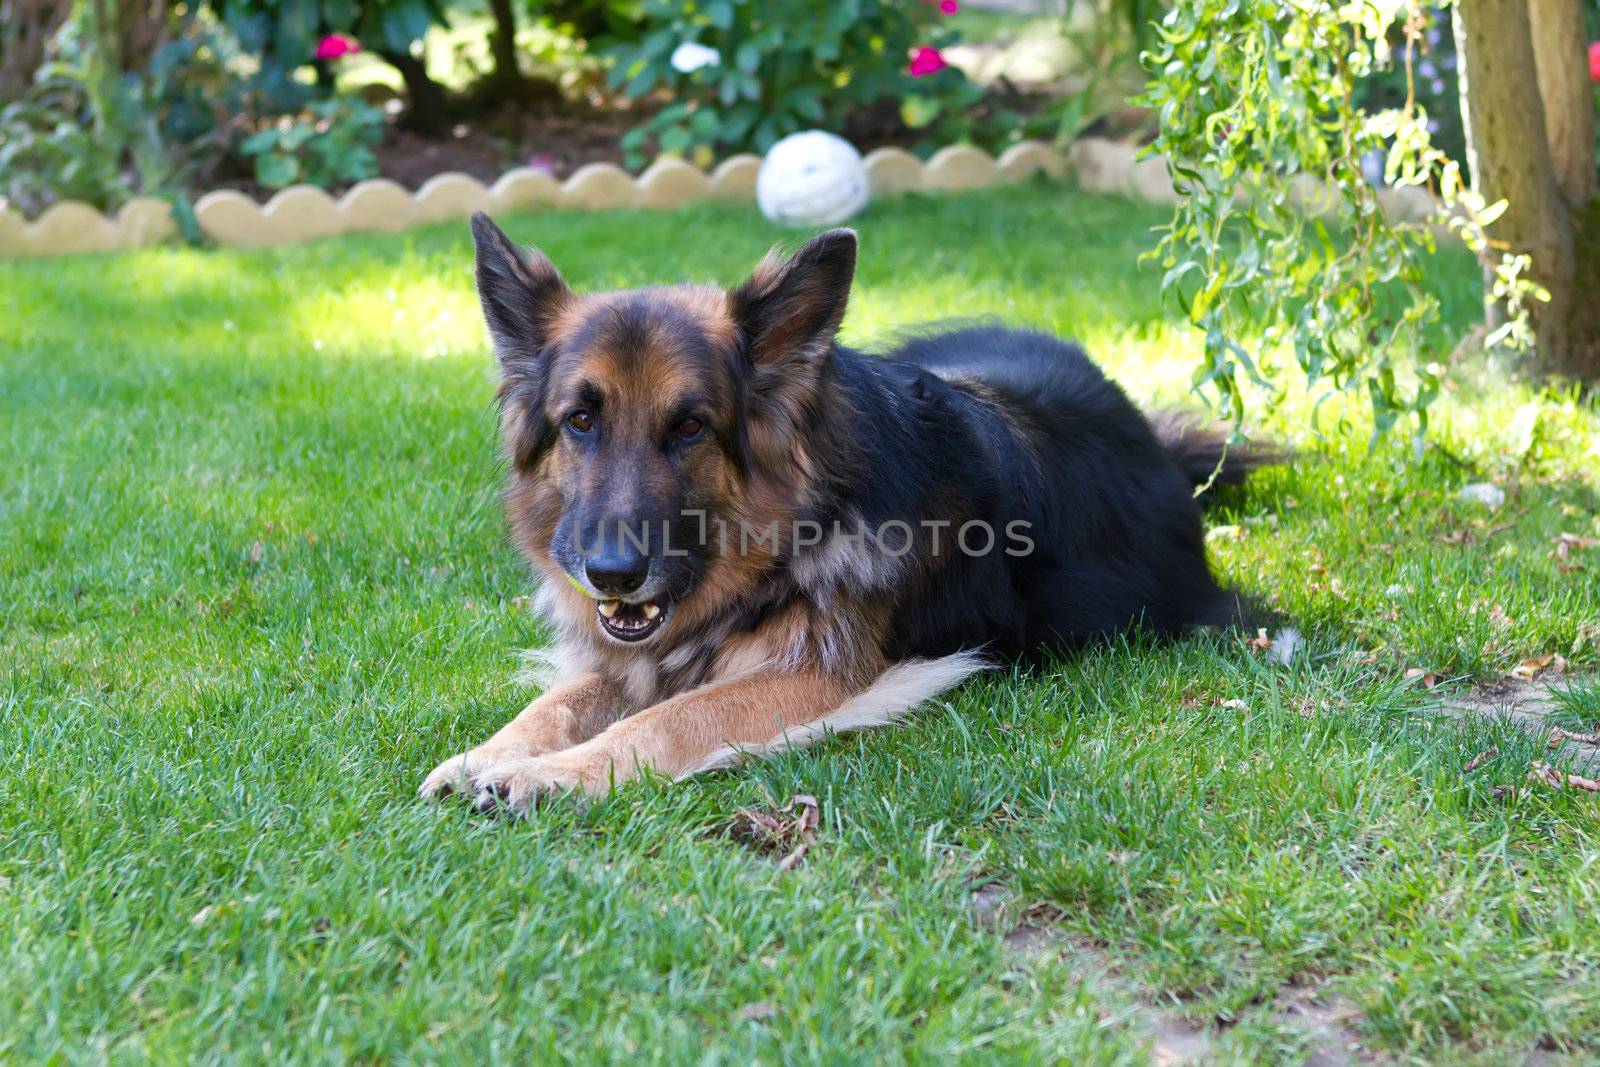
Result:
{"points": [[750, 536]]}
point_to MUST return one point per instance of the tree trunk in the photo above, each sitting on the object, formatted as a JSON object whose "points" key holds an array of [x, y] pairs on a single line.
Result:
{"points": [[1563, 69], [503, 45], [141, 30], [1511, 159], [429, 110], [26, 27]]}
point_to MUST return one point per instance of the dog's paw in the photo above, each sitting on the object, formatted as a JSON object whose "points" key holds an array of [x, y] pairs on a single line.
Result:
{"points": [[518, 784], [454, 775]]}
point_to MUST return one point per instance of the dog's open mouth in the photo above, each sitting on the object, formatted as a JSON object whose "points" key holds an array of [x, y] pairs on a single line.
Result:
{"points": [[630, 622]]}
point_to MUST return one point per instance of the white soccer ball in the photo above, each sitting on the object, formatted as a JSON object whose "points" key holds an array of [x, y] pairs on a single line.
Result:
{"points": [[812, 178]]}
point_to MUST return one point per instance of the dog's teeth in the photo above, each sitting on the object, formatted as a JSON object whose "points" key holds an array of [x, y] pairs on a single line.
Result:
{"points": [[608, 608], [651, 611]]}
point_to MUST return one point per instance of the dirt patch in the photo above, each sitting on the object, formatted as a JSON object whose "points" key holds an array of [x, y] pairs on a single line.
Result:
{"points": [[1324, 1021], [1529, 705], [560, 133], [1035, 932], [556, 135]]}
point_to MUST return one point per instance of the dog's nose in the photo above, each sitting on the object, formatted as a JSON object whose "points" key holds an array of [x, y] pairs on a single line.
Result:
{"points": [[617, 573]]}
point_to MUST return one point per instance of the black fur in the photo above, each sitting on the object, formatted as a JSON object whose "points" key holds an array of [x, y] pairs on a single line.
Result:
{"points": [[999, 425]]}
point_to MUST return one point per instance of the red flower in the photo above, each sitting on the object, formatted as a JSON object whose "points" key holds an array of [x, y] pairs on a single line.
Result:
{"points": [[337, 44], [949, 7], [1594, 62], [926, 61]]}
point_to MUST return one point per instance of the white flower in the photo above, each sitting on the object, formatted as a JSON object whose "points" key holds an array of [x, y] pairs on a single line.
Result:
{"points": [[692, 55]]}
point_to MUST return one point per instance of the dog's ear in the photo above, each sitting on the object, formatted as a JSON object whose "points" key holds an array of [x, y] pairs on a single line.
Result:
{"points": [[789, 310], [521, 292]]}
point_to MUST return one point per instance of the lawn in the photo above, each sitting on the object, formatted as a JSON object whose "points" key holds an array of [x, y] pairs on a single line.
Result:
{"points": [[255, 584]]}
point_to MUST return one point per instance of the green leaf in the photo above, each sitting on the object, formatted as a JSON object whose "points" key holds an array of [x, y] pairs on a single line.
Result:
{"points": [[276, 170], [676, 139], [260, 141], [918, 111], [296, 25]]}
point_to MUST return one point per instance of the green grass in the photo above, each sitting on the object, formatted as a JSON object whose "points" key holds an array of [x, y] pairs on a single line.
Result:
{"points": [[1577, 705], [255, 584]]}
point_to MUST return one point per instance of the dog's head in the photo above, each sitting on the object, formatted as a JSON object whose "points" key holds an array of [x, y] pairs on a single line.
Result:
{"points": [[656, 435]]}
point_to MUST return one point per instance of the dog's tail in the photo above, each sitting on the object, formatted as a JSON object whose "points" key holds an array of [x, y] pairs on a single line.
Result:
{"points": [[1203, 453], [897, 693]]}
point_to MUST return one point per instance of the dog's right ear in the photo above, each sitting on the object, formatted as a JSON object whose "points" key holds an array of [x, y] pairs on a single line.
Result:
{"points": [[521, 292]]}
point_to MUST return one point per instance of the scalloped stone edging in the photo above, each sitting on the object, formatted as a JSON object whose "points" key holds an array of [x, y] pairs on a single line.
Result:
{"points": [[303, 212]]}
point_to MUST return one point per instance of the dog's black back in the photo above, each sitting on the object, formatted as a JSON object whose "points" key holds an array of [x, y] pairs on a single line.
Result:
{"points": [[990, 425]]}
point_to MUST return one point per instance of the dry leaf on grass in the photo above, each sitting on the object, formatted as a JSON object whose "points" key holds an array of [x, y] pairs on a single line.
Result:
{"points": [[1588, 634], [1558, 735], [1428, 678], [790, 831], [1480, 759], [1550, 776], [760, 1011], [1567, 542], [1530, 668]]}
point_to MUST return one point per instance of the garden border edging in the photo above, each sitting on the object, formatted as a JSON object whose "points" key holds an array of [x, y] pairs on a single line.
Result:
{"points": [[304, 212]]}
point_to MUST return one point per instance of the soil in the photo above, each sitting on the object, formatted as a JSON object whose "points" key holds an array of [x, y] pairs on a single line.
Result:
{"points": [[549, 133], [555, 135], [560, 134]]}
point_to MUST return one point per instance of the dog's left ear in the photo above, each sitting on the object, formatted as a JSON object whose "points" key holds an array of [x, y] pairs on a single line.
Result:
{"points": [[789, 310]]}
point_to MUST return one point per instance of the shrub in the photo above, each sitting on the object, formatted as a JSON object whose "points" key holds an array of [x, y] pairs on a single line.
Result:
{"points": [[786, 65], [328, 144], [86, 128], [284, 33]]}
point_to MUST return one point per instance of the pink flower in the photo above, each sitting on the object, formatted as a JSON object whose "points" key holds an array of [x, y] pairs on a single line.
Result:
{"points": [[337, 44], [949, 7], [926, 61], [1594, 62]]}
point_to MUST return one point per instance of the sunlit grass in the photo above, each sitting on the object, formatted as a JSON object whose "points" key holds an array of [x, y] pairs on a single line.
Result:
{"points": [[256, 583]]}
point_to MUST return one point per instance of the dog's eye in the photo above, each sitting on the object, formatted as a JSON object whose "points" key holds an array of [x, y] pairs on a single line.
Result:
{"points": [[581, 421], [689, 428]]}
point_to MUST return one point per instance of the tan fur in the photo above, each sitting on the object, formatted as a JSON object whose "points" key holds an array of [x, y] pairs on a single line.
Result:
{"points": [[673, 737], [897, 691], [566, 714]]}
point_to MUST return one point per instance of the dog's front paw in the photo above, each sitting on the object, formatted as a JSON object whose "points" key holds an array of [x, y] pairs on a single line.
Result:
{"points": [[518, 784], [455, 775]]}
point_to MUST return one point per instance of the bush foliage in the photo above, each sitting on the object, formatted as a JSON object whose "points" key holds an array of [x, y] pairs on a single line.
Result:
{"points": [[787, 65], [329, 144]]}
